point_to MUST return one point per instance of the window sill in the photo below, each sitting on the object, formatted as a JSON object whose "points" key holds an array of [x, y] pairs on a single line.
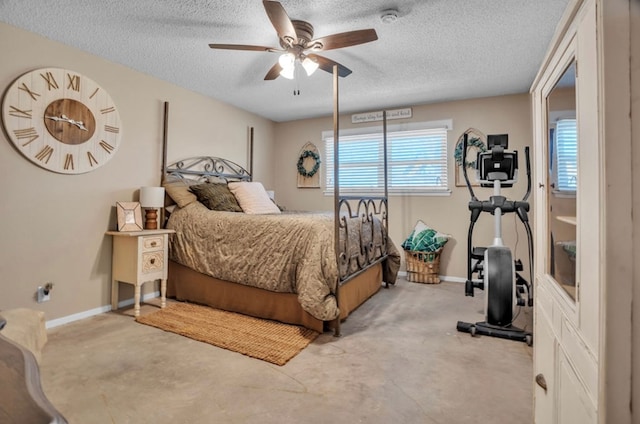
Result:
{"points": [[394, 193]]}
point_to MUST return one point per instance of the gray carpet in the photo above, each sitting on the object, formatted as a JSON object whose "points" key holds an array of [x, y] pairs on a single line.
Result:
{"points": [[400, 359]]}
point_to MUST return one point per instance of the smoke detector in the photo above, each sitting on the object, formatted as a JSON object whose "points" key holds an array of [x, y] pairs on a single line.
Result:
{"points": [[389, 16]]}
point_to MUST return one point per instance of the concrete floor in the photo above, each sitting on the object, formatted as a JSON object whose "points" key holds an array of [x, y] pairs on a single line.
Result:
{"points": [[400, 360]]}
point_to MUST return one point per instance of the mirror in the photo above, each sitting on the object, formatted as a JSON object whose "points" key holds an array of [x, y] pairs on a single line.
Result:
{"points": [[562, 181]]}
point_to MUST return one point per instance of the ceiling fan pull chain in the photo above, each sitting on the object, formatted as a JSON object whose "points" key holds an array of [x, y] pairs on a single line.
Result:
{"points": [[296, 89]]}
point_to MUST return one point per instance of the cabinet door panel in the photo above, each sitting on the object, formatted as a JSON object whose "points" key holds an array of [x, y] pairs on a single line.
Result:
{"points": [[544, 363], [582, 358], [574, 406]]}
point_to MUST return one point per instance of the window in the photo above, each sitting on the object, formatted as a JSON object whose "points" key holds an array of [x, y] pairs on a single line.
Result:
{"points": [[566, 148], [416, 159]]}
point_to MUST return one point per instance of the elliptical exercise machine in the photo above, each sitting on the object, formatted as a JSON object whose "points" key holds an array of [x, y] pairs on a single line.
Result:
{"points": [[497, 272]]}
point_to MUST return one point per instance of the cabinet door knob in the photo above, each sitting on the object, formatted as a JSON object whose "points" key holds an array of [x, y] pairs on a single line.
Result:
{"points": [[540, 185], [541, 382], [153, 261], [153, 244]]}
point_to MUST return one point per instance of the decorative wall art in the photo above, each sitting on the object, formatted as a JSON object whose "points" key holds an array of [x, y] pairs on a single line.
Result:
{"points": [[476, 142], [309, 167], [129, 216], [61, 120]]}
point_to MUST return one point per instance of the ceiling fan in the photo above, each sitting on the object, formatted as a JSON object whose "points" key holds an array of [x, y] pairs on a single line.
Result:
{"points": [[297, 44]]}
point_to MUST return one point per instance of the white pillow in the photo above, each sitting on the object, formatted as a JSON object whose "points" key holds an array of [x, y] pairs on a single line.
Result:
{"points": [[253, 198]]}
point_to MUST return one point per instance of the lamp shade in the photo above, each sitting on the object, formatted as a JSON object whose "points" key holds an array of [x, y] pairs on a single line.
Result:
{"points": [[152, 197]]}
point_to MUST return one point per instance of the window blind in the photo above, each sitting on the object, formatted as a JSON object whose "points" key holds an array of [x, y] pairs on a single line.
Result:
{"points": [[567, 155], [416, 161]]}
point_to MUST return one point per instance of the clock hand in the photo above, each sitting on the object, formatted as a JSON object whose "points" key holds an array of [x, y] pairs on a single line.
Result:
{"points": [[60, 118], [64, 118], [78, 124]]}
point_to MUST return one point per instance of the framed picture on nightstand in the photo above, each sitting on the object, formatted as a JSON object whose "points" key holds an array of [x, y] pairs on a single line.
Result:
{"points": [[129, 216]]}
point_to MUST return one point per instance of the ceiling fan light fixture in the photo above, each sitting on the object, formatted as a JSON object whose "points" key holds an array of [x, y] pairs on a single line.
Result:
{"points": [[309, 65], [287, 61], [288, 73]]}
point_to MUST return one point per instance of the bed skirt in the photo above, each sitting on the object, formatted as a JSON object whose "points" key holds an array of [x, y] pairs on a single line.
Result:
{"points": [[189, 285]]}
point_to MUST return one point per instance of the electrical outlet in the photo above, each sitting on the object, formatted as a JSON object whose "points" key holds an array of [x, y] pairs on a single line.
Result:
{"points": [[43, 294]]}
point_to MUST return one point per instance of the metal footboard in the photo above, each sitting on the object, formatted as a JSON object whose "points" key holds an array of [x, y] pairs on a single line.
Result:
{"points": [[368, 208]]}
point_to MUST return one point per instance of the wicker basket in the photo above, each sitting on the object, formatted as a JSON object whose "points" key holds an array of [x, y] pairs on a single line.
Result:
{"points": [[423, 267]]}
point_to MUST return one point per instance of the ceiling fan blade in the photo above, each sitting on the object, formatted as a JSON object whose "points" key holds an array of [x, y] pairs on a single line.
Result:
{"points": [[274, 72], [280, 21], [243, 47], [344, 39], [327, 65]]}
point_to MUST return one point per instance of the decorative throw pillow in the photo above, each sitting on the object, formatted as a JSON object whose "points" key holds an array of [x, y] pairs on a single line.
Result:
{"points": [[425, 239], [253, 198], [216, 197], [178, 189]]}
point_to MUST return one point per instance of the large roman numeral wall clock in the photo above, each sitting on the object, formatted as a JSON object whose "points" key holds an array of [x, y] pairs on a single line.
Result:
{"points": [[61, 120]]}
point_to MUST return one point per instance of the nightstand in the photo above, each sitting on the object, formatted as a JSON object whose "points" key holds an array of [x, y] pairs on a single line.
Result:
{"points": [[138, 257]]}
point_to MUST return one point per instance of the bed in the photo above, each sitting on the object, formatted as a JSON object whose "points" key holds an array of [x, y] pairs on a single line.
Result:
{"points": [[308, 269], [280, 266]]}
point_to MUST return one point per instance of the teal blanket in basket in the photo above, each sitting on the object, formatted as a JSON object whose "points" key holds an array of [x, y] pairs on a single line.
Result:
{"points": [[425, 239]]}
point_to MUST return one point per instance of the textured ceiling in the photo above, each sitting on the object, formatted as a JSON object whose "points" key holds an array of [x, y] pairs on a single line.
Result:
{"points": [[437, 50]]}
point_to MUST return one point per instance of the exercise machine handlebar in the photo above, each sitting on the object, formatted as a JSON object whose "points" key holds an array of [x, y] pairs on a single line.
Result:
{"points": [[465, 142]]}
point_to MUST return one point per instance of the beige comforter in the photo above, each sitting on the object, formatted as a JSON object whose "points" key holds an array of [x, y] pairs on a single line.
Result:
{"points": [[292, 253]]}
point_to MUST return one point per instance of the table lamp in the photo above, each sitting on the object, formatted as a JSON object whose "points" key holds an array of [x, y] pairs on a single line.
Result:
{"points": [[152, 199]]}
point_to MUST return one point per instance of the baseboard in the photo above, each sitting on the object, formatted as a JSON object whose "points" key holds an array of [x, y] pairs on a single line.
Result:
{"points": [[96, 311], [442, 277], [452, 279]]}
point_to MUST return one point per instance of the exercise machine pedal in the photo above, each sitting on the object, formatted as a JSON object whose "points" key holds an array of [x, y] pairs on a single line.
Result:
{"points": [[509, 332]]}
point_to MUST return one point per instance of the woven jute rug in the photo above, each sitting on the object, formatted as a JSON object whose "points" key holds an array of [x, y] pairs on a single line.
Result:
{"points": [[270, 341]]}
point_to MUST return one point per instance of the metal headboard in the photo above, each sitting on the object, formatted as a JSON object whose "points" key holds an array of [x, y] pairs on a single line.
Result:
{"points": [[204, 167]]}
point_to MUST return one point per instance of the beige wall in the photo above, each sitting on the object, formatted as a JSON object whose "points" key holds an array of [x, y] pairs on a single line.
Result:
{"points": [[495, 115], [52, 226]]}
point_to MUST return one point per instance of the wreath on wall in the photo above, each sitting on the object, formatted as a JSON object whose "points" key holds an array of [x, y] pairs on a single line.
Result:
{"points": [[472, 142], [316, 166]]}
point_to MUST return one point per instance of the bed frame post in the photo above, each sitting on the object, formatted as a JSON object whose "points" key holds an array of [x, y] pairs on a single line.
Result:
{"points": [[251, 152], [163, 169], [165, 127], [336, 190], [384, 143]]}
